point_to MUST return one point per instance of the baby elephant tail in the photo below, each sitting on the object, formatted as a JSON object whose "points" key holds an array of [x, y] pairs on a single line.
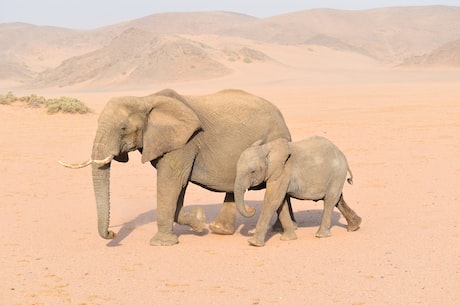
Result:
{"points": [[350, 180]]}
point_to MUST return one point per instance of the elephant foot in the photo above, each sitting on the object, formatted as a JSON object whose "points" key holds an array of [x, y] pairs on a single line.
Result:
{"points": [[323, 233], [196, 219], [224, 223], [256, 241], [289, 235], [353, 224], [222, 228], [164, 239]]}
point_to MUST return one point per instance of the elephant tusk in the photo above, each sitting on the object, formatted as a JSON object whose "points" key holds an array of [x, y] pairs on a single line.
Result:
{"points": [[86, 163], [104, 161], [80, 165]]}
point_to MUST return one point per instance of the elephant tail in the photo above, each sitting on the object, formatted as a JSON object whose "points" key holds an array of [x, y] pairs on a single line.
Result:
{"points": [[350, 180]]}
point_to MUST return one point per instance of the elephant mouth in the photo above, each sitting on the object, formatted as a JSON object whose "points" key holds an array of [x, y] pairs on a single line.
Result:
{"points": [[257, 186], [122, 157]]}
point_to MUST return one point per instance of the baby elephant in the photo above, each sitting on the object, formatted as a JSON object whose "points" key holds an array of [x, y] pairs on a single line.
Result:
{"points": [[312, 169]]}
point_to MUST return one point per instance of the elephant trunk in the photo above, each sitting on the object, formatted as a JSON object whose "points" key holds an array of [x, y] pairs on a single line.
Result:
{"points": [[244, 210], [101, 185]]}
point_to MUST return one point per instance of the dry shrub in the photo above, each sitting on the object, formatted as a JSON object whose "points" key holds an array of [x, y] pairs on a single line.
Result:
{"points": [[63, 104]]}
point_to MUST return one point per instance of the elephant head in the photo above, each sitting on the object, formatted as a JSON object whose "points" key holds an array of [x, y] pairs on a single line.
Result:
{"points": [[258, 164], [154, 125]]}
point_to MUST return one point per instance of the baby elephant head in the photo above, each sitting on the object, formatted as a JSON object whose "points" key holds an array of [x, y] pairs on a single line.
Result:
{"points": [[256, 165]]}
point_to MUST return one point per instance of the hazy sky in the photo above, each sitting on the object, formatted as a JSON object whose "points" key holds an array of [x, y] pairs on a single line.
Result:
{"points": [[88, 14]]}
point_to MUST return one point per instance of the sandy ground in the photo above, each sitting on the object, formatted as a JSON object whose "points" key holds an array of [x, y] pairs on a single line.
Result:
{"points": [[399, 129]]}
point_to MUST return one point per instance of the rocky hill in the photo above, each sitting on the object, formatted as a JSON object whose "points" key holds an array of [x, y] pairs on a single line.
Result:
{"points": [[448, 55], [387, 34], [136, 56], [174, 46]]}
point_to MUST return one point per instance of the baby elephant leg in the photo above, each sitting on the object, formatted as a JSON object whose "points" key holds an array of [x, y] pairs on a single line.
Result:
{"points": [[353, 220], [285, 216], [277, 226], [325, 226]]}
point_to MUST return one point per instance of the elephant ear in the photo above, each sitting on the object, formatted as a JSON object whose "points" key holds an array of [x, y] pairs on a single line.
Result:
{"points": [[169, 126], [277, 155]]}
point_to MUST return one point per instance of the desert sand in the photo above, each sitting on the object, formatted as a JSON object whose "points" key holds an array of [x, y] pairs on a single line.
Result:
{"points": [[398, 127]]}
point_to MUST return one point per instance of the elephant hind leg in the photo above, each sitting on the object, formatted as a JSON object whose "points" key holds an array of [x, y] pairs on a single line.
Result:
{"points": [[225, 222], [195, 218], [325, 226], [353, 220]]}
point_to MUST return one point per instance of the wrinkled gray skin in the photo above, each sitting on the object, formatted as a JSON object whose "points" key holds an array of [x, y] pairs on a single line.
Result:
{"points": [[197, 139], [312, 169]]}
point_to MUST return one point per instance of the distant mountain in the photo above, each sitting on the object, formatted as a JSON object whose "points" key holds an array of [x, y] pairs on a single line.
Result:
{"points": [[200, 23], [387, 34], [27, 49], [173, 46], [136, 56]]}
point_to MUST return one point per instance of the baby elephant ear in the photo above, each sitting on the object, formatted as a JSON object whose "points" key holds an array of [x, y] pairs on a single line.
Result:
{"points": [[277, 154], [170, 124]]}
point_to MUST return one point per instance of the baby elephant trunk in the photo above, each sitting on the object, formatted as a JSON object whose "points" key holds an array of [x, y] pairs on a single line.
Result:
{"points": [[244, 210]]}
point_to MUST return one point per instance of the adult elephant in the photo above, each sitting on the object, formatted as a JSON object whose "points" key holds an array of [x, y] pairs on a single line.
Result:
{"points": [[186, 138]]}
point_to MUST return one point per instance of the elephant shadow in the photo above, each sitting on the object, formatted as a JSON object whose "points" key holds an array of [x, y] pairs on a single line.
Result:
{"points": [[128, 227], [304, 219], [149, 217]]}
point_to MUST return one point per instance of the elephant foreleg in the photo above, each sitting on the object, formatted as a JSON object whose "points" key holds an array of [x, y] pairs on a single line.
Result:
{"points": [[273, 199], [172, 177], [285, 216], [277, 226], [225, 221], [166, 209]]}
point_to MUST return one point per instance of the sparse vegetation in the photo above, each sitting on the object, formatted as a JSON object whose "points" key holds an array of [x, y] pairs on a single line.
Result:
{"points": [[245, 55], [65, 104], [33, 100], [62, 104], [7, 98]]}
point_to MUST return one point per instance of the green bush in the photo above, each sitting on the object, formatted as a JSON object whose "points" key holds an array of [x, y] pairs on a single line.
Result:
{"points": [[63, 104]]}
